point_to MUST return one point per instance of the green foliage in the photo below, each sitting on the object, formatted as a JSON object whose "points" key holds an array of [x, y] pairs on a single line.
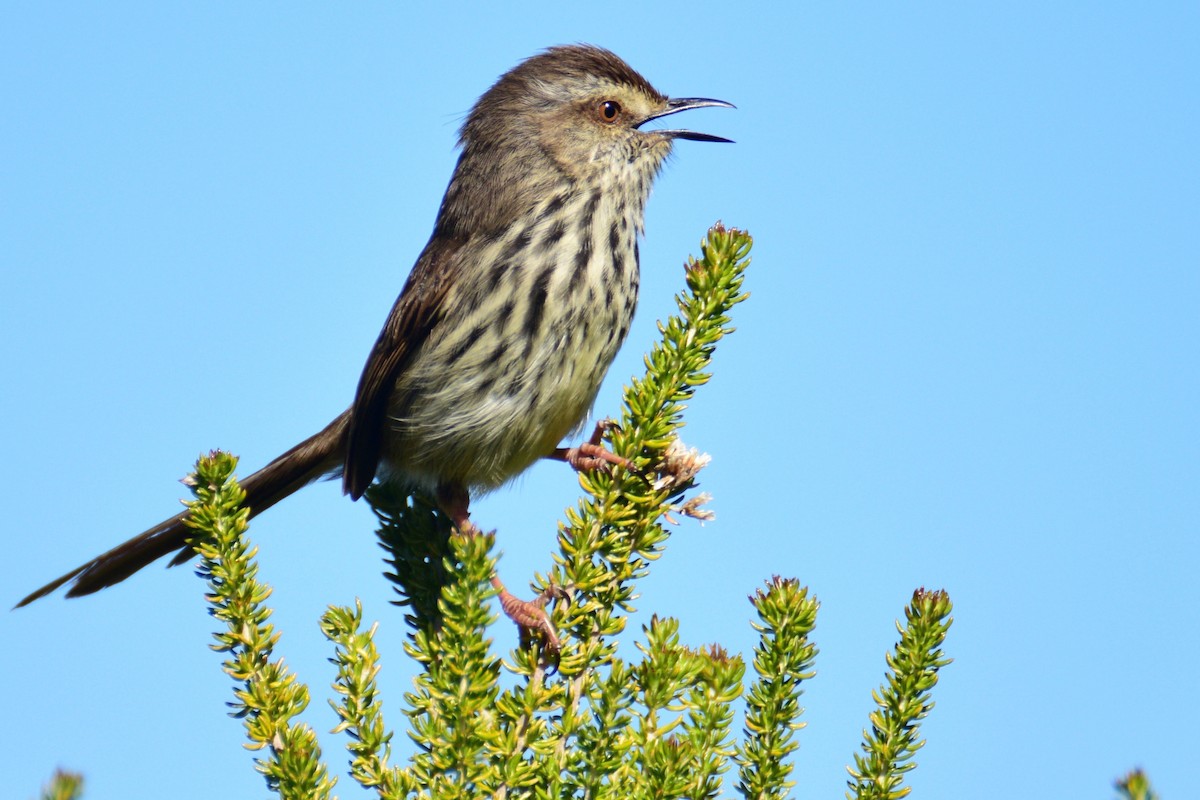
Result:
{"points": [[576, 720], [1136, 786], [903, 701], [783, 659], [590, 724], [63, 786], [268, 696]]}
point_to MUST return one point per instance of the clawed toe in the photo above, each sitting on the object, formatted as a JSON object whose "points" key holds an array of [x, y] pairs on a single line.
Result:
{"points": [[531, 617], [592, 454]]}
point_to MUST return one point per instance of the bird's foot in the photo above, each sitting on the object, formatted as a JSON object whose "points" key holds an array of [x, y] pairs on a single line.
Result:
{"points": [[592, 454], [531, 617]]}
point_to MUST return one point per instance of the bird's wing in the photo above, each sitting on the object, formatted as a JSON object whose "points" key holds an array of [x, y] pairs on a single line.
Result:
{"points": [[417, 312]]}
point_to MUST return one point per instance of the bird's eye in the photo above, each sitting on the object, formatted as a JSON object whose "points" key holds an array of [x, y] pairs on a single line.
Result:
{"points": [[609, 110]]}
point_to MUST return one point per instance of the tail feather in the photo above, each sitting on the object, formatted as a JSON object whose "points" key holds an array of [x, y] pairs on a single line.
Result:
{"points": [[313, 458]]}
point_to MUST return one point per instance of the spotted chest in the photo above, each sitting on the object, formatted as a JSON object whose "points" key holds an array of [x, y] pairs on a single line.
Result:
{"points": [[517, 361]]}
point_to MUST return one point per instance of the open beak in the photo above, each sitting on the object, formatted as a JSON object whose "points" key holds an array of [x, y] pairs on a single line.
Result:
{"points": [[683, 104]]}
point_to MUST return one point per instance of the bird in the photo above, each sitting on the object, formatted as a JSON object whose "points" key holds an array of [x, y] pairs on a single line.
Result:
{"points": [[497, 345]]}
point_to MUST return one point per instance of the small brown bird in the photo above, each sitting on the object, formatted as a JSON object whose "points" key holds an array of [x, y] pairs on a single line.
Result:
{"points": [[498, 343]]}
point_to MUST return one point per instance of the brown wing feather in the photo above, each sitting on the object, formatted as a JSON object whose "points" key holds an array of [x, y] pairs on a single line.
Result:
{"points": [[417, 312]]}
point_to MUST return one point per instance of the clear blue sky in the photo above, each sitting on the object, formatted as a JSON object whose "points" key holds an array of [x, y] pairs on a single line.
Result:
{"points": [[969, 361]]}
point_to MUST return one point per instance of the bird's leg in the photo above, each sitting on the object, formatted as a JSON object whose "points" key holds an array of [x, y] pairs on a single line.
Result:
{"points": [[529, 616], [592, 454]]}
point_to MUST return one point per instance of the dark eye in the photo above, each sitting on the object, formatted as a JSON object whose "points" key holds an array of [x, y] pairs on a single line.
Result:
{"points": [[609, 109]]}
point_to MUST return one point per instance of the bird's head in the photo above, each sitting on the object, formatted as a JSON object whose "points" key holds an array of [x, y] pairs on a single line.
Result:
{"points": [[571, 113]]}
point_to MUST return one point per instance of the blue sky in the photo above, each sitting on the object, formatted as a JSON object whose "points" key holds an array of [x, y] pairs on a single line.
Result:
{"points": [[969, 360]]}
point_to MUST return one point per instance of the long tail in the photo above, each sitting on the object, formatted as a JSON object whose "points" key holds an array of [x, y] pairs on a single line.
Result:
{"points": [[313, 458]]}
